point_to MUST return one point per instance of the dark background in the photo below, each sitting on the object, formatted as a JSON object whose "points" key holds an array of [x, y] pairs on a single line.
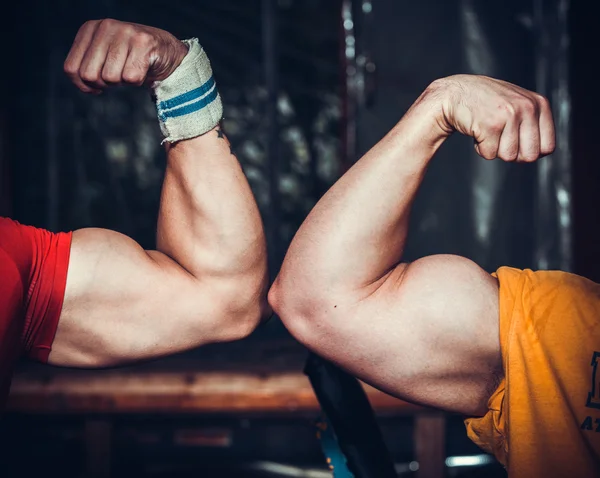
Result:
{"points": [[70, 161]]}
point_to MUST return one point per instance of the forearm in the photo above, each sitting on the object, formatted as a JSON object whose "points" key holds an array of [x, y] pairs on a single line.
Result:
{"points": [[208, 219], [358, 230]]}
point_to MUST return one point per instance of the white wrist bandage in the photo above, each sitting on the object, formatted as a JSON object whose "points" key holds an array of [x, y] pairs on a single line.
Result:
{"points": [[187, 102]]}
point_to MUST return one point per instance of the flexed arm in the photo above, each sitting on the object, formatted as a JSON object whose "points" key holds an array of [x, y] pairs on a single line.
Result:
{"points": [[425, 331], [206, 281]]}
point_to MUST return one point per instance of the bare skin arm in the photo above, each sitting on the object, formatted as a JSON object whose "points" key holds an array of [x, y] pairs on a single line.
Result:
{"points": [[427, 331], [206, 281]]}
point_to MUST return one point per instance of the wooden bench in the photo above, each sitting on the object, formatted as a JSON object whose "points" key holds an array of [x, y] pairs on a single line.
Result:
{"points": [[264, 378]]}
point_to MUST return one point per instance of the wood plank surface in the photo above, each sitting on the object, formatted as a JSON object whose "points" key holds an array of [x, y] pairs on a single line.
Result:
{"points": [[266, 379]]}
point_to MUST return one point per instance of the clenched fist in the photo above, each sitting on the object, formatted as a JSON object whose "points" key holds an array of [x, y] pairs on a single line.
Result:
{"points": [[505, 121], [110, 52]]}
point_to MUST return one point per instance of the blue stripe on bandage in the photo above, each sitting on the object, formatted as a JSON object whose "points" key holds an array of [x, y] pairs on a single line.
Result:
{"points": [[189, 108], [188, 96]]}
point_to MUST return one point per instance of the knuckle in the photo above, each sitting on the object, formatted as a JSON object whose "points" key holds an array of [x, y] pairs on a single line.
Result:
{"points": [[510, 152], [496, 124], [529, 156], [549, 148], [143, 39], [88, 75], [133, 76], [529, 106], [70, 68], [107, 23], [90, 24], [103, 25], [508, 109], [127, 29], [542, 100], [438, 84], [111, 76], [486, 152]]}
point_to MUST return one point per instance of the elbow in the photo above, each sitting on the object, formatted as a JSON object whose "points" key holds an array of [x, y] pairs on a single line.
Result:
{"points": [[252, 313], [299, 310], [277, 300], [243, 301], [245, 307]]}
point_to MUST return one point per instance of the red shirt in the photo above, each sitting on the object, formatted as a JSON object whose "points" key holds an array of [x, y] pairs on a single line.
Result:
{"points": [[33, 276]]}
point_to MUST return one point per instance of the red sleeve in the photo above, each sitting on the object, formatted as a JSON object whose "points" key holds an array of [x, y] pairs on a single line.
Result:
{"points": [[43, 260]]}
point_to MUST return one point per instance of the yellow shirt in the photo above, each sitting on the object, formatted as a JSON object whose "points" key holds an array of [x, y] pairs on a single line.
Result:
{"points": [[544, 418]]}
